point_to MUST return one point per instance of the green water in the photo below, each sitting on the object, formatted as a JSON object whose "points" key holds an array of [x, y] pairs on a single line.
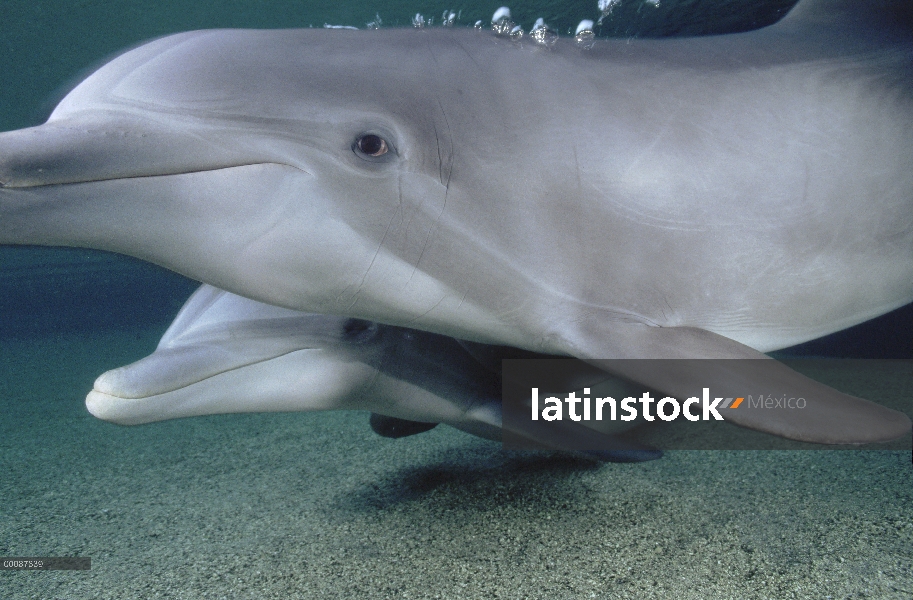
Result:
{"points": [[315, 505]]}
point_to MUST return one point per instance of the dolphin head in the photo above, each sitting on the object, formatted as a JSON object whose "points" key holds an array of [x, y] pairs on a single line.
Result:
{"points": [[308, 157], [227, 354]]}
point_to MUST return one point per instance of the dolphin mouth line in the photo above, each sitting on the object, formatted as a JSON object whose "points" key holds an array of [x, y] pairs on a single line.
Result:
{"points": [[12, 184], [186, 384]]}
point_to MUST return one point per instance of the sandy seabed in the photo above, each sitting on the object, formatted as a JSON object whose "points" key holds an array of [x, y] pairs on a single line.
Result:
{"points": [[317, 506]]}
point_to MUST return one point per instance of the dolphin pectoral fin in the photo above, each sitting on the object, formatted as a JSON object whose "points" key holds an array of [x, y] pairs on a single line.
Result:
{"points": [[827, 416], [394, 427]]}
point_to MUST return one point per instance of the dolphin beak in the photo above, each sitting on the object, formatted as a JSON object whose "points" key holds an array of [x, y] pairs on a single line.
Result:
{"points": [[101, 147], [142, 185], [303, 380]]}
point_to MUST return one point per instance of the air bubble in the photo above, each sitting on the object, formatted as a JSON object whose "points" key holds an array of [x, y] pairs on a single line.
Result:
{"points": [[542, 34], [501, 13], [501, 23], [606, 7], [376, 23], [584, 26], [584, 36]]}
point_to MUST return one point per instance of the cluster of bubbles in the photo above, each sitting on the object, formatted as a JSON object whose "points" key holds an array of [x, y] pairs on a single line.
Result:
{"points": [[447, 19], [541, 34], [607, 6], [502, 25]]}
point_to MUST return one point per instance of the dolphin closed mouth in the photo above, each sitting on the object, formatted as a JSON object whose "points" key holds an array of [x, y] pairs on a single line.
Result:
{"points": [[63, 152]]}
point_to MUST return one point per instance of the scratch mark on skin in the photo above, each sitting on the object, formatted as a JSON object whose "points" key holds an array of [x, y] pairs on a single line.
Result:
{"points": [[577, 165], [440, 158], [469, 54], [647, 148], [380, 245], [437, 220], [431, 51], [427, 312], [666, 318], [450, 153], [462, 299]]}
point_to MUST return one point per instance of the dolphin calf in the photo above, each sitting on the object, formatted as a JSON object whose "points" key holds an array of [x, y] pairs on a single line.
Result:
{"points": [[227, 354], [714, 197]]}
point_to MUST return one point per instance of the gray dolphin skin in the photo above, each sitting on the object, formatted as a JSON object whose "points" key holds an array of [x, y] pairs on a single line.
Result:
{"points": [[715, 197], [227, 354]]}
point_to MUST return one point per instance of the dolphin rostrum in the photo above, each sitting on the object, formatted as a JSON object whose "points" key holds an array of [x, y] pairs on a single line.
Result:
{"points": [[714, 197]]}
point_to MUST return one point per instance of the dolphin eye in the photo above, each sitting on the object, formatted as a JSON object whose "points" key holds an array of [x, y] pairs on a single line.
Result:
{"points": [[358, 330], [372, 145]]}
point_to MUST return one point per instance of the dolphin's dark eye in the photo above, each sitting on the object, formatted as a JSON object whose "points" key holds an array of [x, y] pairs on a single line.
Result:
{"points": [[359, 330], [371, 145]]}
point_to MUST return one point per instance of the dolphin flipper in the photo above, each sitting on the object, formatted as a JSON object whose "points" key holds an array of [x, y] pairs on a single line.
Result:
{"points": [[701, 359], [394, 427]]}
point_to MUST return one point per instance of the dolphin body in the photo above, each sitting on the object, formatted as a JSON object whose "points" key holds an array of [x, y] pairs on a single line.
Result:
{"points": [[713, 197], [227, 354]]}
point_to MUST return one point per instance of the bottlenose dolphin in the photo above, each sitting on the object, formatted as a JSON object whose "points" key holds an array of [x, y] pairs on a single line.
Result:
{"points": [[714, 197], [228, 354]]}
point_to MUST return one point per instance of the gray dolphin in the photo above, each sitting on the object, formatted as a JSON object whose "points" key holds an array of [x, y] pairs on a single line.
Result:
{"points": [[712, 197], [228, 354]]}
